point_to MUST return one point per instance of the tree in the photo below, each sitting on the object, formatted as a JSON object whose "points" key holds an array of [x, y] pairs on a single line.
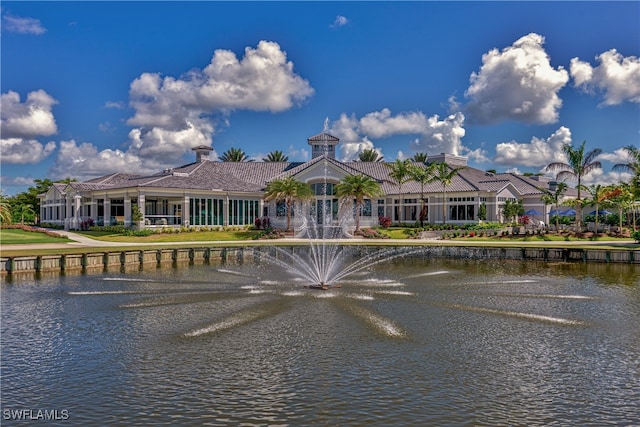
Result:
{"points": [[633, 167], [549, 198], [24, 210], [423, 175], [597, 193], [234, 155], [420, 158], [482, 211], [358, 187], [579, 165], [444, 174], [276, 156], [288, 190], [5, 209], [370, 155], [400, 174], [512, 208]]}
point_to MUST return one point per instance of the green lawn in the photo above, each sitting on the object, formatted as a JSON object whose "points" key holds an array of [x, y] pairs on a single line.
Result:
{"points": [[196, 236], [14, 236]]}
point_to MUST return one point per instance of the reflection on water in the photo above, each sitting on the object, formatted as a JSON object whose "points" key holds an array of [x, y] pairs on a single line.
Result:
{"points": [[409, 342]]}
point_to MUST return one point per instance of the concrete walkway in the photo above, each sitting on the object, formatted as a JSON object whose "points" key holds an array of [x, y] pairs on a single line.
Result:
{"points": [[81, 241]]}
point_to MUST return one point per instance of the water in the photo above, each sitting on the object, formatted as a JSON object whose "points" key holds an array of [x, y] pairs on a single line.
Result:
{"points": [[408, 342]]}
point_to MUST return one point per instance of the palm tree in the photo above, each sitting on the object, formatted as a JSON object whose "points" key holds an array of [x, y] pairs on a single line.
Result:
{"points": [[549, 198], [276, 156], [597, 193], [288, 190], [444, 174], [579, 165], [632, 167], [400, 174], [24, 209], [5, 209], [420, 157], [424, 175], [370, 155], [358, 187], [234, 155]]}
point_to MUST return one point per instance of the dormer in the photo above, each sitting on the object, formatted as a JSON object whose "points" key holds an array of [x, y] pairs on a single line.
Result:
{"points": [[202, 153], [322, 144]]}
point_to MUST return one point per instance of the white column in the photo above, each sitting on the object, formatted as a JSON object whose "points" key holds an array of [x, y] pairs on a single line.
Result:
{"points": [[107, 211], [185, 211], [127, 211]]}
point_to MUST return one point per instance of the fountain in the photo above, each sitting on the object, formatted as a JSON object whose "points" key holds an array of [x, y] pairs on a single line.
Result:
{"points": [[326, 261]]}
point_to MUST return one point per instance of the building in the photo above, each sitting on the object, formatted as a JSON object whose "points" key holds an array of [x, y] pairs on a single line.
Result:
{"points": [[208, 193]]}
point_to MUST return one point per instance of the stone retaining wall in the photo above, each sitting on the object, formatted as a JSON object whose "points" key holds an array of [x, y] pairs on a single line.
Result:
{"points": [[100, 261]]}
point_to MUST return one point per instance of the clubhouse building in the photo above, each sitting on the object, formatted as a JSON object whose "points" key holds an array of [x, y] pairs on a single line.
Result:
{"points": [[209, 193]]}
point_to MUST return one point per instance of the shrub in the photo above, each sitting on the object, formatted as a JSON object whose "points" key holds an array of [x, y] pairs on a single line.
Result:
{"points": [[384, 221], [370, 233], [636, 236]]}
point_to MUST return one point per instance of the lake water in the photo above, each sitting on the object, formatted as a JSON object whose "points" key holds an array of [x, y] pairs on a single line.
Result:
{"points": [[408, 342]]}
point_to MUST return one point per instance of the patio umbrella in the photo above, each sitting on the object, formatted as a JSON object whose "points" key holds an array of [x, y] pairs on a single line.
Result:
{"points": [[601, 212], [533, 212], [568, 212], [555, 212]]}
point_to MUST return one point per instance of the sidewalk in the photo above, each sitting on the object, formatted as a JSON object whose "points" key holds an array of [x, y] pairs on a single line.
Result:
{"points": [[81, 241]]}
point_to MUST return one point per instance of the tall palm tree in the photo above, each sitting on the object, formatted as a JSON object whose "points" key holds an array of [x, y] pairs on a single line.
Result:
{"points": [[234, 155], [276, 156], [444, 174], [550, 197], [632, 167], [358, 187], [420, 158], [400, 174], [423, 175], [24, 210], [597, 193], [579, 165], [288, 190], [5, 209], [370, 155]]}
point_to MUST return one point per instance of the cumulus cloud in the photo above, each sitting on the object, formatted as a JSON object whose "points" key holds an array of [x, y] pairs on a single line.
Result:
{"points": [[22, 151], [16, 24], [434, 135], [618, 77], [21, 123], [85, 161], [442, 136], [28, 119], [537, 153], [340, 21], [517, 83], [174, 114]]}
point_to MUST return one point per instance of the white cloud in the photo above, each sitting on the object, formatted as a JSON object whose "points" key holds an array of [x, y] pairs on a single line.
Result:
{"points": [[537, 153], [340, 21], [30, 119], [16, 181], [174, 114], [617, 77], [442, 136], [23, 122], [517, 83], [381, 124], [16, 24], [22, 151], [618, 156], [435, 135], [118, 105], [84, 161], [603, 177], [478, 155]]}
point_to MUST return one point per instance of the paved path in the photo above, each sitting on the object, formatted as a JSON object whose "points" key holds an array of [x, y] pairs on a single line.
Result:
{"points": [[81, 241]]}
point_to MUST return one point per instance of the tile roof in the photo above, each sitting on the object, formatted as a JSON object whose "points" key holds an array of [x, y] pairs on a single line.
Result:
{"points": [[252, 177]]}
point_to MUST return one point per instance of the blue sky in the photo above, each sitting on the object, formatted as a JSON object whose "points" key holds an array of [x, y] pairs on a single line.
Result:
{"points": [[90, 88]]}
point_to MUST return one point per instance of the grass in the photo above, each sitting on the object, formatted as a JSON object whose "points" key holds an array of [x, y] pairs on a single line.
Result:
{"points": [[15, 236], [196, 236]]}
